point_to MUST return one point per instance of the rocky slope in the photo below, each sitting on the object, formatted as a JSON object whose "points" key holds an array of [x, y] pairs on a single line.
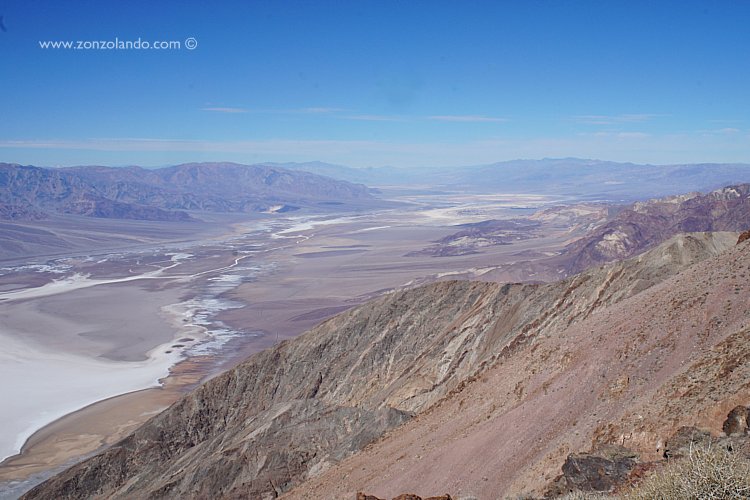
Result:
{"points": [[611, 232], [646, 224], [628, 373], [478, 385], [32, 192], [472, 237], [163, 194], [612, 468]]}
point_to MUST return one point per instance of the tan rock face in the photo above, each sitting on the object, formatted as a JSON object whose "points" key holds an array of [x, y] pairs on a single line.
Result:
{"points": [[504, 380]]}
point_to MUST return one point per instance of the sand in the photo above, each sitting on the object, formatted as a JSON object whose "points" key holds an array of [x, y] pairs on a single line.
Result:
{"points": [[114, 322], [48, 385], [95, 426], [81, 344]]}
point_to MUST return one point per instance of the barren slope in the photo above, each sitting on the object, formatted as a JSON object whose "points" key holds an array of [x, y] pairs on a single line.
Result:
{"points": [[629, 231], [674, 354]]}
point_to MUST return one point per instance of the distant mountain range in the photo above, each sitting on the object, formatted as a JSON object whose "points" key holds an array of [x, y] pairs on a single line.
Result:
{"points": [[582, 178], [28, 192]]}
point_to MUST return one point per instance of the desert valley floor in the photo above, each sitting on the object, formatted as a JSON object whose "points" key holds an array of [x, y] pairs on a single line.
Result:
{"points": [[101, 340]]}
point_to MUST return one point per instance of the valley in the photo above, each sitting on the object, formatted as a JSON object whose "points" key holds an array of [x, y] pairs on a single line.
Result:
{"points": [[385, 250], [473, 388], [154, 319], [108, 325]]}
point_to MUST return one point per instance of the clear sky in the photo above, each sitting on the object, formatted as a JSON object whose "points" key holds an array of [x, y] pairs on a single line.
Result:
{"points": [[360, 83]]}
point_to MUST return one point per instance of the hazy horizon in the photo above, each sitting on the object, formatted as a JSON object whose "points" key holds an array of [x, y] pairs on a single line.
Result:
{"points": [[303, 163]]}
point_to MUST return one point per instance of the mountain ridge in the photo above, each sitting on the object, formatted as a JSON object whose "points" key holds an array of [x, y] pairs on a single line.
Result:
{"points": [[648, 223], [379, 375], [630, 373], [165, 193]]}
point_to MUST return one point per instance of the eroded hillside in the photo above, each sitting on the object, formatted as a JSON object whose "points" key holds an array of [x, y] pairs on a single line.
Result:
{"points": [[629, 373], [646, 224]]}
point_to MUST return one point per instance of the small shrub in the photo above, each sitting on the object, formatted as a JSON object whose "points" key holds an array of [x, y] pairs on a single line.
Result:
{"points": [[705, 473]]}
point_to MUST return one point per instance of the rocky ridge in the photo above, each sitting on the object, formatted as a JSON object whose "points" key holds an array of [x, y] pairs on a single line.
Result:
{"points": [[474, 236], [614, 233], [630, 373], [614, 468], [646, 224]]}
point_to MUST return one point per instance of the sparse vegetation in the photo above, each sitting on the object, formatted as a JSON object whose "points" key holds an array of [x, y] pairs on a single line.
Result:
{"points": [[706, 473], [584, 495]]}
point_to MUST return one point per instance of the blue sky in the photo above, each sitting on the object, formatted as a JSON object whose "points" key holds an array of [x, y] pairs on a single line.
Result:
{"points": [[367, 83]]}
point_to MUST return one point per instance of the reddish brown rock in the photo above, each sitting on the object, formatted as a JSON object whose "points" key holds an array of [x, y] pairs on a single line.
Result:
{"points": [[412, 496], [363, 496], [744, 236], [603, 469]]}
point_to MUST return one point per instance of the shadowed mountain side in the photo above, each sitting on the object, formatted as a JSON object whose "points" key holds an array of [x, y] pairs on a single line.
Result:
{"points": [[399, 354]]}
